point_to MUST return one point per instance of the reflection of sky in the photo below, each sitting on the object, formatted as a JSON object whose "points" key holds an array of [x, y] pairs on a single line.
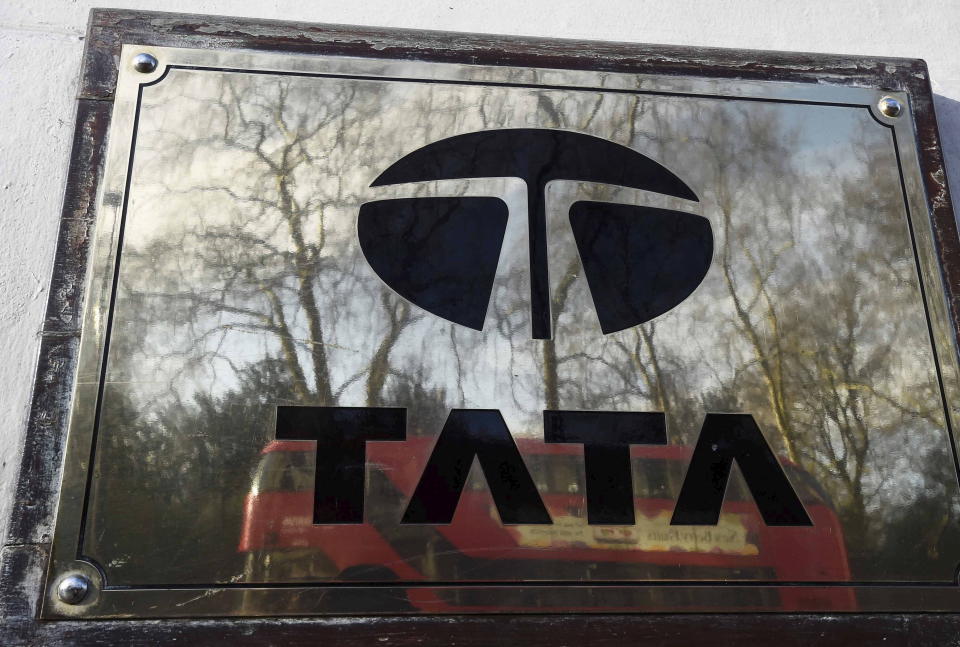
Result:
{"points": [[825, 132], [820, 142], [188, 180]]}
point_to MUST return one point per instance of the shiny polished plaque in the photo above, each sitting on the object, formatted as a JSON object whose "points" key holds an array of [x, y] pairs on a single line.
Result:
{"points": [[383, 336]]}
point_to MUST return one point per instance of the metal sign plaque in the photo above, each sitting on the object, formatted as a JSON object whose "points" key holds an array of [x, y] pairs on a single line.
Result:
{"points": [[385, 336]]}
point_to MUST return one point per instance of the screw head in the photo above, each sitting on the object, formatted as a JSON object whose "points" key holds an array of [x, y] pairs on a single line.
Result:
{"points": [[73, 589], [145, 63], [890, 107]]}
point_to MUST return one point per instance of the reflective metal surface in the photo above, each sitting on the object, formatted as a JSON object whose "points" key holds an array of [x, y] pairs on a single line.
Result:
{"points": [[272, 238], [145, 63], [890, 107], [73, 589]]}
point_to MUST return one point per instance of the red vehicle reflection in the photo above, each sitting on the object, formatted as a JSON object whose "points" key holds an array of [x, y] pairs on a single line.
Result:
{"points": [[283, 546]]}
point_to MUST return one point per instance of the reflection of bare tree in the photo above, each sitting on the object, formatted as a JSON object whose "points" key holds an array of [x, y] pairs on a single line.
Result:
{"points": [[819, 286], [269, 257], [236, 278], [398, 312], [242, 287], [804, 279], [639, 361], [748, 278]]}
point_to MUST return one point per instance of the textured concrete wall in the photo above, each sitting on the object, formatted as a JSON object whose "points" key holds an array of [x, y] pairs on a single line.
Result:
{"points": [[41, 43]]}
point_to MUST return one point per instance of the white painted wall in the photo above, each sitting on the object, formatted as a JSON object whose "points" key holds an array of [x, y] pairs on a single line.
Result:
{"points": [[41, 42]]}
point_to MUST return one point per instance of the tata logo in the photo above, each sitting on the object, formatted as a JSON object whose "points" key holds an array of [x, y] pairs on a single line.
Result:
{"points": [[341, 434], [442, 253]]}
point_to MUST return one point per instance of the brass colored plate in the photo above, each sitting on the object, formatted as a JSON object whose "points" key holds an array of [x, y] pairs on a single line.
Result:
{"points": [[403, 337]]}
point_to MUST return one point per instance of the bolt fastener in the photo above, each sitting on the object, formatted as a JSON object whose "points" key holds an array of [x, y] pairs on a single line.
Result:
{"points": [[890, 107], [145, 63], [73, 589]]}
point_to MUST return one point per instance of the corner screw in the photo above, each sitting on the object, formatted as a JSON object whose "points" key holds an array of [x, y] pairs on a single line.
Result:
{"points": [[144, 63], [890, 107], [73, 589]]}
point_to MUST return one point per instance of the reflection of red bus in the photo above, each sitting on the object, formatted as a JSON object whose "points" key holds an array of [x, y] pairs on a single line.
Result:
{"points": [[283, 546]]}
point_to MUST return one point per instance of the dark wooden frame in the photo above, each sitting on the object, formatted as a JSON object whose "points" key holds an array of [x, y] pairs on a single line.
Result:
{"points": [[26, 548]]}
